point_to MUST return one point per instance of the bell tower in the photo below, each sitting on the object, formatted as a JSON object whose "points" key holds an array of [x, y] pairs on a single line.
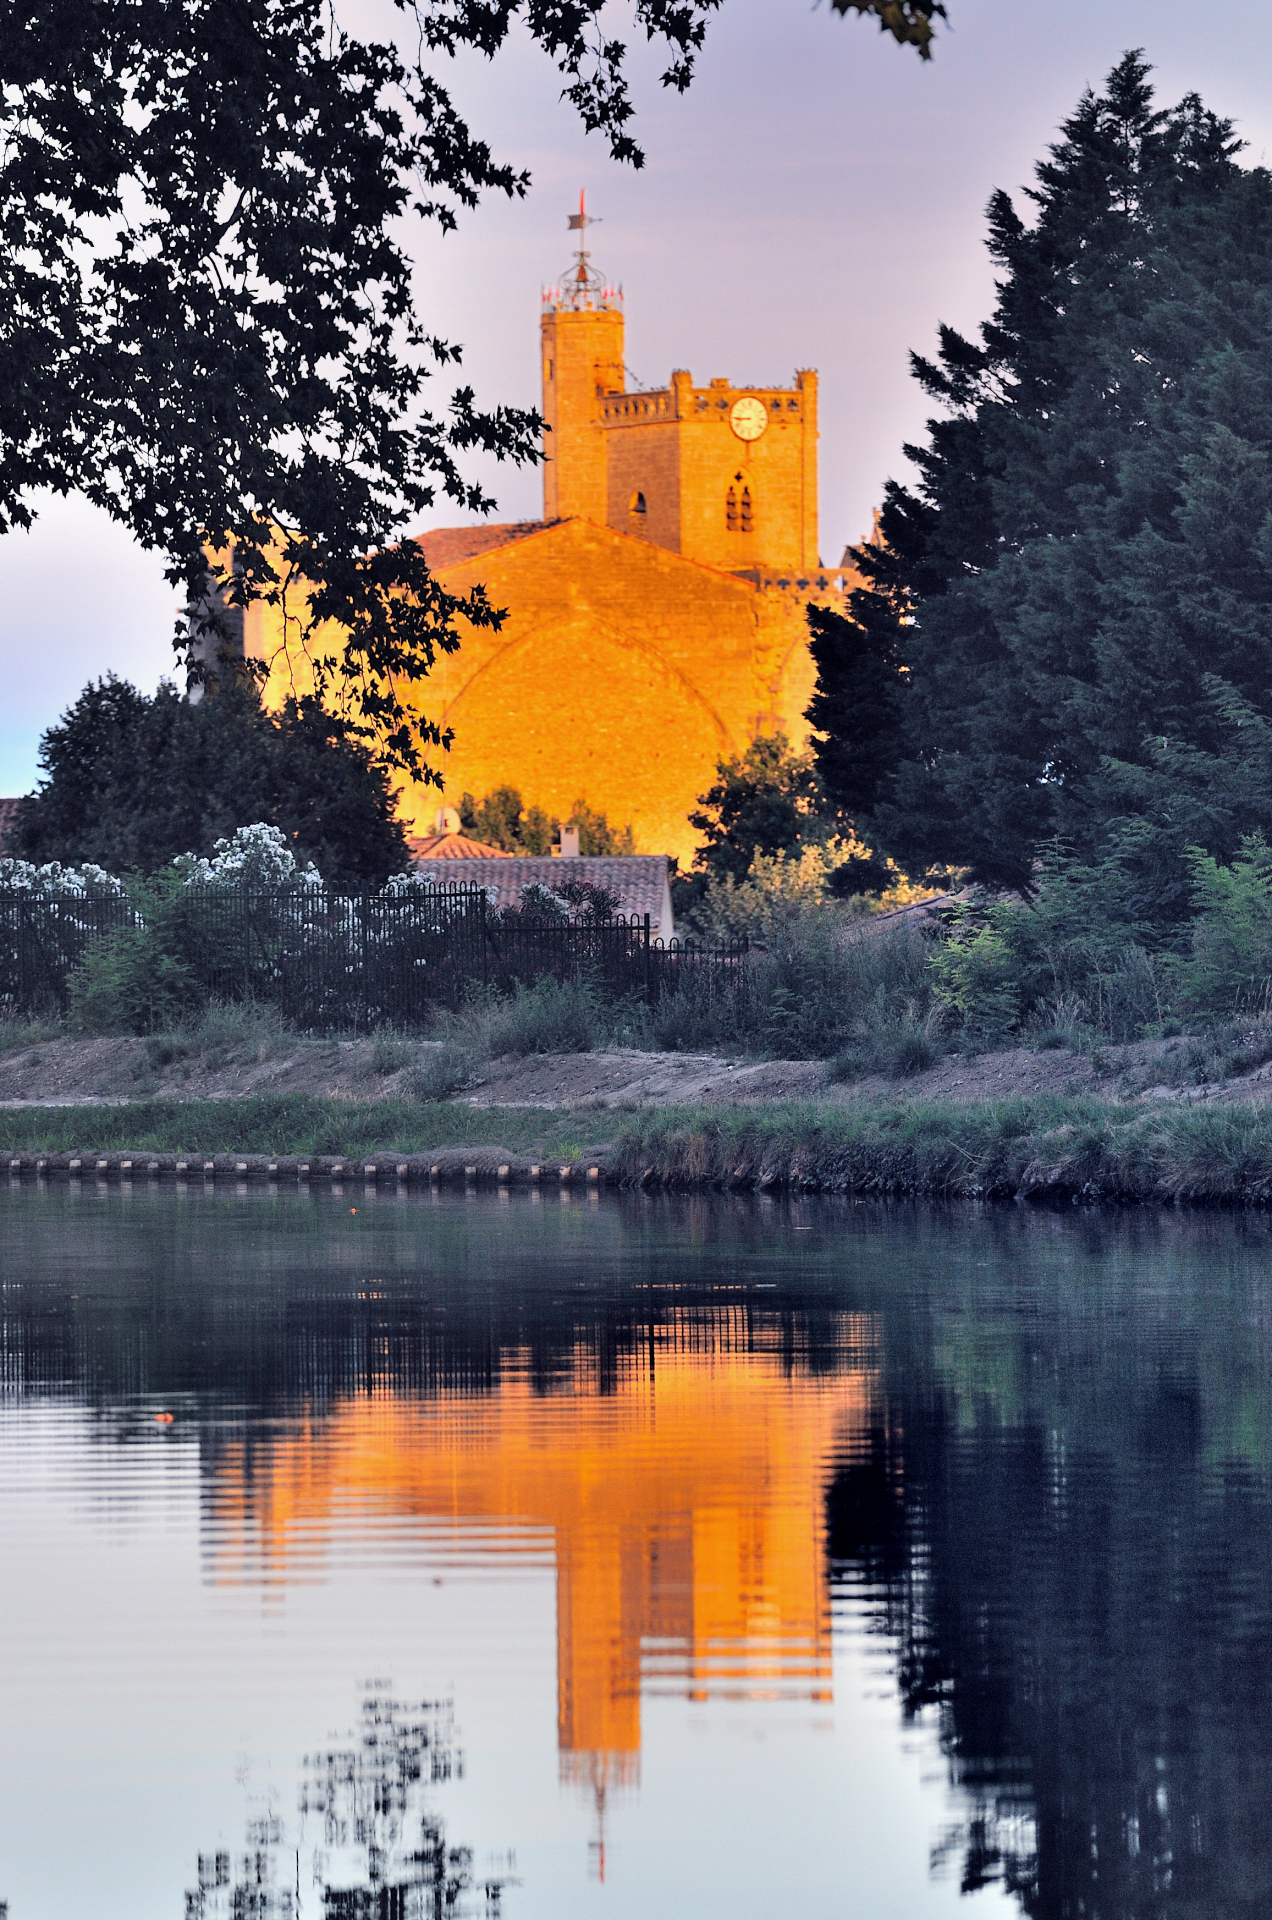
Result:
{"points": [[581, 336]]}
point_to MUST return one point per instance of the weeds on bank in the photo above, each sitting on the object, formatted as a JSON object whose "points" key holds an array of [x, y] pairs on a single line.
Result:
{"points": [[1045, 1148], [19, 1031], [222, 1034], [438, 1072]]}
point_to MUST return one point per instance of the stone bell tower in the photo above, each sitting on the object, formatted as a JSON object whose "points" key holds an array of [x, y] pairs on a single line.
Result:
{"points": [[722, 474], [581, 334]]}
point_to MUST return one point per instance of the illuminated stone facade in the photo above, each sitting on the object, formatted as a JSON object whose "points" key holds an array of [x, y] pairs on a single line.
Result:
{"points": [[656, 615]]}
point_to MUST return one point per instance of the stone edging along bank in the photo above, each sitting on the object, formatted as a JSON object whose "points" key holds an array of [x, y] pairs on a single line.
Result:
{"points": [[479, 1166]]}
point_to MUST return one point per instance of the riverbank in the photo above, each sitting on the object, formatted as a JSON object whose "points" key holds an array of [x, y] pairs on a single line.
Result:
{"points": [[242, 1054], [1046, 1150], [1049, 1149]]}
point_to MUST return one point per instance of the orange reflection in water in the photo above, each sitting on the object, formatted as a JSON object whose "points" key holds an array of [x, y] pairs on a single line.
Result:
{"points": [[684, 1507]]}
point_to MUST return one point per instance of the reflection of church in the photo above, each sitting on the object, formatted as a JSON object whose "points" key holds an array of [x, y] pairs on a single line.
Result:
{"points": [[685, 1508], [656, 614]]}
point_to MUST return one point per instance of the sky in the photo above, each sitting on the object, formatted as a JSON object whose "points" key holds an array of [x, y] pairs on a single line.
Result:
{"points": [[817, 199]]}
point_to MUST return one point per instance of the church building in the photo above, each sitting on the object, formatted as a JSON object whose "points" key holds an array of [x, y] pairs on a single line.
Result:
{"points": [[656, 614]]}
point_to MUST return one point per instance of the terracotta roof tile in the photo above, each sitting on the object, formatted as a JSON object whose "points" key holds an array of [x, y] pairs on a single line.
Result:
{"points": [[453, 846], [447, 546], [639, 879]]}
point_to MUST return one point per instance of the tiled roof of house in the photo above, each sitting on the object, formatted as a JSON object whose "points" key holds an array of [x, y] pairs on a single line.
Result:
{"points": [[453, 846], [8, 820], [639, 879], [447, 546]]}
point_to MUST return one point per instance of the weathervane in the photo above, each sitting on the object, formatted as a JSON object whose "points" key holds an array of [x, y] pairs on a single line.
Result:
{"points": [[582, 289]]}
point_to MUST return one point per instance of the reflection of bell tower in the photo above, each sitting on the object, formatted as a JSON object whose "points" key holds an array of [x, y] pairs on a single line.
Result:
{"points": [[582, 340]]}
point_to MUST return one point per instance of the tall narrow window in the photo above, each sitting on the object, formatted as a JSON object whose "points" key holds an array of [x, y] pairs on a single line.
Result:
{"points": [[744, 510], [731, 511]]}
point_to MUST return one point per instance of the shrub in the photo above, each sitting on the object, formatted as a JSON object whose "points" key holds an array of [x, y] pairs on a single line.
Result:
{"points": [[894, 1040], [977, 979], [21, 1029], [697, 1014], [225, 1031], [389, 1051], [779, 891], [810, 994], [552, 1016], [162, 1049], [1228, 969], [255, 856], [437, 1072], [127, 983]]}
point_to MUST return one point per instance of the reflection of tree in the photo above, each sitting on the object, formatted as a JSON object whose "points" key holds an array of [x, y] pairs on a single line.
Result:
{"points": [[366, 1840], [1071, 1541]]}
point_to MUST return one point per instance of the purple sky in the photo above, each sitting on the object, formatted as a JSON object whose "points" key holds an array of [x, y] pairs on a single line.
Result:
{"points": [[817, 199]]}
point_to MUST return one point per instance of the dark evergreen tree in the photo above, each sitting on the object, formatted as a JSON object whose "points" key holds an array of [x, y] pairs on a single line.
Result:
{"points": [[1089, 546], [767, 800], [858, 704], [131, 782], [501, 819]]}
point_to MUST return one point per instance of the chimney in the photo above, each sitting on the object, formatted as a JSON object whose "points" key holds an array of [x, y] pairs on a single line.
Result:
{"points": [[569, 843]]}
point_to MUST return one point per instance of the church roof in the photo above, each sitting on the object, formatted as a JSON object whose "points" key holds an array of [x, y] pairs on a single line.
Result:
{"points": [[640, 880], [447, 546]]}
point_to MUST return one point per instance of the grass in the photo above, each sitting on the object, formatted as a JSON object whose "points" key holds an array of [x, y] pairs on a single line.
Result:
{"points": [[1047, 1148], [301, 1124]]}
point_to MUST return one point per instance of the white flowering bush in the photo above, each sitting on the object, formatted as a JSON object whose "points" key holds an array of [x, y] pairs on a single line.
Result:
{"points": [[53, 881], [538, 898], [410, 883], [256, 856]]}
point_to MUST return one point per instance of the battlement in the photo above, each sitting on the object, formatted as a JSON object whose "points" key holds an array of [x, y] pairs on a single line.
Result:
{"points": [[821, 583], [690, 402], [633, 409], [715, 401]]}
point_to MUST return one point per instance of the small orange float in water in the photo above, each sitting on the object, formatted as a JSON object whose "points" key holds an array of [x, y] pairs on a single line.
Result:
{"points": [[163, 1419], [353, 1209]]}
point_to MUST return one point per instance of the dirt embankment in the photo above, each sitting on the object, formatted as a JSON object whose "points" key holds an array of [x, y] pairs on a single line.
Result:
{"points": [[71, 1071]]}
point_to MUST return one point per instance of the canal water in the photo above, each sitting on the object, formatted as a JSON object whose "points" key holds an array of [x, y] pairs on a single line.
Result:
{"points": [[369, 1554]]}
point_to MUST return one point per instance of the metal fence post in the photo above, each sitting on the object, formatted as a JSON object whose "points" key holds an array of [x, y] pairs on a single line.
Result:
{"points": [[647, 960]]}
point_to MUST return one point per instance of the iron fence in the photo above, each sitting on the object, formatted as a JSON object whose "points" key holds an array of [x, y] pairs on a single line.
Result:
{"points": [[332, 962], [43, 939]]}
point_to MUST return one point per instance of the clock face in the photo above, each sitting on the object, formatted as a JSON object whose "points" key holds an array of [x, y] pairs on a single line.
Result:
{"points": [[748, 417]]}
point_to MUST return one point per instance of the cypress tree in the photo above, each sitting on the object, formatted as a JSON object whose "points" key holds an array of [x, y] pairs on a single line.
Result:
{"points": [[1079, 586]]}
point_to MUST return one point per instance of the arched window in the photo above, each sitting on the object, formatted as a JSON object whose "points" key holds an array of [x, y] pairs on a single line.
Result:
{"points": [[637, 508], [737, 506]]}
